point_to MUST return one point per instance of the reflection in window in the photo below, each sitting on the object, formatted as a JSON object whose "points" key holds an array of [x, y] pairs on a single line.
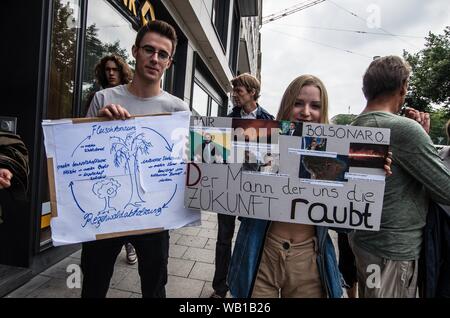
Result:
{"points": [[107, 32], [63, 59], [61, 87], [214, 108], [200, 100]]}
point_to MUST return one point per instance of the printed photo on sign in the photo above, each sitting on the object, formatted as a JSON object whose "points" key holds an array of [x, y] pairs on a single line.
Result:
{"points": [[367, 155], [252, 139], [210, 145], [314, 143], [290, 128], [324, 168], [270, 164]]}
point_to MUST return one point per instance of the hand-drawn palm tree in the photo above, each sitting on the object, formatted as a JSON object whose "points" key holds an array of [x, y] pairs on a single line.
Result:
{"points": [[106, 189], [127, 151]]}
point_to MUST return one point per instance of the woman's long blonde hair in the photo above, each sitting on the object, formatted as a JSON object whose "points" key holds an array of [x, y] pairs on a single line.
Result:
{"points": [[293, 90]]}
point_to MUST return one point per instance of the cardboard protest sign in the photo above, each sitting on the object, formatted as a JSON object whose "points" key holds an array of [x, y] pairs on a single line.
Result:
{"points": [[305, 173], [116, 178]]}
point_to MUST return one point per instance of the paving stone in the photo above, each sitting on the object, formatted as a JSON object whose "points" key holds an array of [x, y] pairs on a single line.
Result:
{"points": [[180, 287], [211, 244], [208, 225], [202, 271], [200, 255], [194, 241], [174, 237], [188, 230], [180, 267], [59, 270], [76, 254], [55, 288], [176, 250], [35, 283], [209, 233], [207, 290], [131, 282], [115, 293], [212, 218], [119, 274]]}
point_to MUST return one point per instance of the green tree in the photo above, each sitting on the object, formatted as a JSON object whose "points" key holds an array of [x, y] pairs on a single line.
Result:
{"points": [[437, 130], [430, 79], [343, 119], [62, 61]]}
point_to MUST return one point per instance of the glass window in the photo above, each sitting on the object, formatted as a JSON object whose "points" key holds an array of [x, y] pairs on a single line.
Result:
{"points": [[63, 58], [66, 20], [214, 108], [107, 32], [220, 14], [200, 100], [234, 46]]}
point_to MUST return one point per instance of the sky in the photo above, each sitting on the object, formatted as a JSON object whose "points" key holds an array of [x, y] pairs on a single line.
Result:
{"points": [[303, 43]]}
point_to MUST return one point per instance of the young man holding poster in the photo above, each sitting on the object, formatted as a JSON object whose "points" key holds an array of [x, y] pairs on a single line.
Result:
{"points": [[153, 50], [245, 96], [387, 260]]}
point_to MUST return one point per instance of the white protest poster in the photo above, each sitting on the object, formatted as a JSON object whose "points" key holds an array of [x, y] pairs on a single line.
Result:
{"points": [[115, 178], [327, 175]]}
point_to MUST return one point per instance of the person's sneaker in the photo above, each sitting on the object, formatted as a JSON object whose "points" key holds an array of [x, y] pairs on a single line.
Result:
{"points": [[131, 254]]}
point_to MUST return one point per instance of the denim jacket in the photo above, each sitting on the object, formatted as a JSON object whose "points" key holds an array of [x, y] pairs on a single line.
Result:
{"points": [[247, 256]]}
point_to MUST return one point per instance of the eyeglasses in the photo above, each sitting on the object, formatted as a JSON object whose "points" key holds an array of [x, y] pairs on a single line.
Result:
{"points": [[149, 50]]}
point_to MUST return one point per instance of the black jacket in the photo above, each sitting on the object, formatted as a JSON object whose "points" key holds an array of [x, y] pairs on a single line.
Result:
{"points": [[434, 264]]}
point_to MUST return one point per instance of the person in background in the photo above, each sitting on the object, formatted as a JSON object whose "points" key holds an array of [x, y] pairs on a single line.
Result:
{"points": [[112, 70], [418, 174], [153, 50], [245, 93], [14, 166]]}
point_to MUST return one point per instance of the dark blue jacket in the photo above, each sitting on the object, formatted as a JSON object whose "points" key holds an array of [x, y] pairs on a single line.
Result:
{"points": [[261, 113]]}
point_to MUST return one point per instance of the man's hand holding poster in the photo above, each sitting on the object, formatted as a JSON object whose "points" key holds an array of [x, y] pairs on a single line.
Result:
{"points": [[115, 178]]}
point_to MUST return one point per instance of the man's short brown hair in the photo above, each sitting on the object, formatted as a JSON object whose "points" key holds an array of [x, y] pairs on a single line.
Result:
{"points": [[249, 82], [160, 27], [385, 76]]}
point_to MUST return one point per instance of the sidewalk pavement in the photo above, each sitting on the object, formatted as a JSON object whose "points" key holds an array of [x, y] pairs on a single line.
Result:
{"points": [[191, 268]]}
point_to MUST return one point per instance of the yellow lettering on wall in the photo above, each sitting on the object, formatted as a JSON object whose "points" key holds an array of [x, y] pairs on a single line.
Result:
{"points": [[131, 4], [146, 8]]}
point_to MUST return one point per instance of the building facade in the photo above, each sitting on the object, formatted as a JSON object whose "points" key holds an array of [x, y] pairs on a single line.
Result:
{"points": [[51, 49]]}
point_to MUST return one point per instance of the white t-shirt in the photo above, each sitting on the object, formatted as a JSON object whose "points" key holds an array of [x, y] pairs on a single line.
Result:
{"points": [[162, 103]]}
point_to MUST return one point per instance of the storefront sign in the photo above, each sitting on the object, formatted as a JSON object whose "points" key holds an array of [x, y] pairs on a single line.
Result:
{"points": [[144, 8]]}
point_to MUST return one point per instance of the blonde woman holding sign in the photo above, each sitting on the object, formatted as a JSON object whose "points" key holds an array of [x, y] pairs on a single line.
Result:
{"points": [[278, 259]]}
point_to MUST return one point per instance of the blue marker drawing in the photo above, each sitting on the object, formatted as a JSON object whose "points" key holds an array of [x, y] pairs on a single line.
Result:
{"points": [[88, 137], [106, 189], [74, 198], [127, 151], [165, 205], [168, 147]]}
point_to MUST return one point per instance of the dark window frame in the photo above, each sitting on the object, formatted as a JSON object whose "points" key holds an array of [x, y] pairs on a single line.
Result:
{"points": [[235, 38], [219, 20], [211, 87]]}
